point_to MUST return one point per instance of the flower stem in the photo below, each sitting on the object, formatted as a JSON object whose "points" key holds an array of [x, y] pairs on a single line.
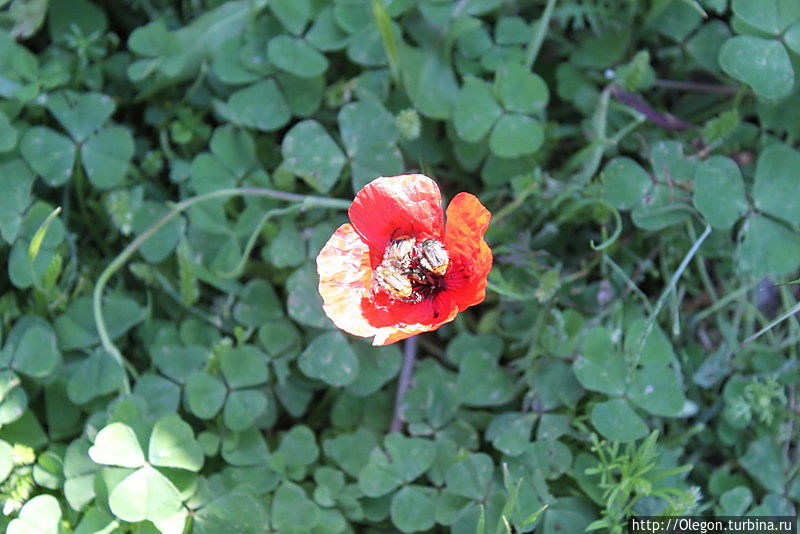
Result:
{"points": [[97, 306], [409, 357]]}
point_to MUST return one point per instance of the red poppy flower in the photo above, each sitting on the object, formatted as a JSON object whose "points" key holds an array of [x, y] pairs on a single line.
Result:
{"points": [[396, 270]]}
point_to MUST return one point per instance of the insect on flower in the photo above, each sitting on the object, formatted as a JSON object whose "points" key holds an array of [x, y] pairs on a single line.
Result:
{"points": [[397, 269]]}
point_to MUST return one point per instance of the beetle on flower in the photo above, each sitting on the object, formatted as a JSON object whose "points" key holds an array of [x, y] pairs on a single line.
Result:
{"points": [[397, 269]]}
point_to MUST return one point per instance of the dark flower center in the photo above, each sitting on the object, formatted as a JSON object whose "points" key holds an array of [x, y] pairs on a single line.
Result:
{"points": [[412, 271]]}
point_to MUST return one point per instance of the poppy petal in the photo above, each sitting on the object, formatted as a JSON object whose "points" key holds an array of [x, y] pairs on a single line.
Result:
{"points": [[397, 206], [398, 320], [467, 221], [345, 276]]}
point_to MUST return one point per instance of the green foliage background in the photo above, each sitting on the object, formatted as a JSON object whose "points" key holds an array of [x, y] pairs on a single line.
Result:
{"points": [[639, 160]]}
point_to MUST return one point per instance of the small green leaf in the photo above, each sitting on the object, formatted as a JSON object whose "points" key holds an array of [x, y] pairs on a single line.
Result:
{"points": [[8, 134], [292, 508], [471, 476], [510, 432], [331, 359], [520, 90], [310, 152], [659, 209], [376, 367], [13, 399], [763, 64], [657, 348], [600, 366], [350, 451], [657, 389], [81, 114], [778, 172], [288, 248], [49, 154], [705, 44], [153, 39], [205, 394], [304, 303], [763, 460], [767, 248], [736, 501], [719, 192], [771, 16], [245, 448], [410, 457], [242, 408], [117, 444], [37, 354], [172, 444], [366, 124], [413, 508], [97, 375], [145, 494], [616, 420], [16, 197], [516, 135], [375, 161], [429, 80], [303, 95], [106, 156], [161, 243], [41, 232], [325, 34], [626, 182], [40, 515], [551, 457], [80, 17], [481, 382], [792, 38], [238, 511], [475, 111], [721, 127], [76, 328], [293, 14], [243, 366], [295, 55], [299, 447], [260, 106]]}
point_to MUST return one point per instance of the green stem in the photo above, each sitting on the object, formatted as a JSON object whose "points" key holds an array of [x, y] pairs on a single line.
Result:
{"points": [[536, 41], [97, 306], [770, 326], [651, 321], [594, 152], [629, 283], [251, 242], [518, 201], [617, 226]]}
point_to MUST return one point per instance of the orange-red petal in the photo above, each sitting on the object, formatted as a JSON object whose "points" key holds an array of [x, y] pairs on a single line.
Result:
{"points": [[398, 320], [467, 221], [390, 207], [396, 206], [345, 276]]}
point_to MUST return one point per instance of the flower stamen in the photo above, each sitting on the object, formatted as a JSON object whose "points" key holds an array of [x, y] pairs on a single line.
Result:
{"points": [[411, 271]]}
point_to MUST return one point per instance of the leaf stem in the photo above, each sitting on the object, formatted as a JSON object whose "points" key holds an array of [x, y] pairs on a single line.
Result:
{"points": [[535, 44], [698, 87], [409, 358], [97, 306], [770, 326], [651, 321]]}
